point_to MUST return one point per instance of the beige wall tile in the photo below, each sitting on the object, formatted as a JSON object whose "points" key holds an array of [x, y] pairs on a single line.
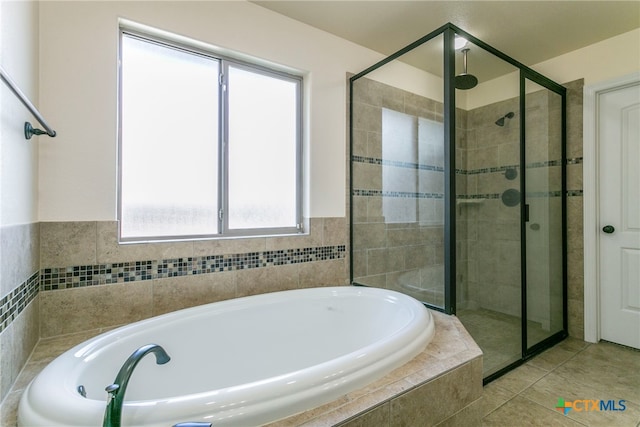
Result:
{"points": [[7, 374], [229, 246], [335, 231], [312, 238], [176, 293], [323, 273], [370, 235], [378, 416], [576, 317], [80, 309], [20, 249], [67, 243], [110, 251], [367, 117], [435, 401], [269, 279], [16, 344]]}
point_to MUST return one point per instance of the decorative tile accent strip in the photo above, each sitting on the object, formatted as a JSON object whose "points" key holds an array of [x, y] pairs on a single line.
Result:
{"points": [[405, 194], [377, 161], [531, 194], [487, 170], [477, 196], [135, 271], [396, 163], [12, 304], [381, 193], [574, 161]]}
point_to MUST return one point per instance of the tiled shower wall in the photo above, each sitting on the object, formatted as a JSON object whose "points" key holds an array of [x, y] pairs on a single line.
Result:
{"points": [[74, 276], [398, 191], [488, 231], [405, 255]]}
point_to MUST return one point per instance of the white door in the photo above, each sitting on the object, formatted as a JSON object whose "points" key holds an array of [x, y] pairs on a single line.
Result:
{"points": [[619, 192]]}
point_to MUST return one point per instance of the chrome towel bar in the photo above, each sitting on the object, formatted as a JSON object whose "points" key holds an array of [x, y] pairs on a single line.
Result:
{"points": [[29, 130]]}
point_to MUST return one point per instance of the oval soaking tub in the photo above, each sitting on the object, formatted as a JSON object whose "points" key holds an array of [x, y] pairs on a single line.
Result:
{"points": [[240, 362]]}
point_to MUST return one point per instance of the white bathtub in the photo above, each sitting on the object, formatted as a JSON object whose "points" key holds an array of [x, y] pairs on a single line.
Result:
{"points": [[240, 362]]}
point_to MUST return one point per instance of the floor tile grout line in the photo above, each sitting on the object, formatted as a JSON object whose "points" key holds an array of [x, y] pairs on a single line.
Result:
{"points": [[551, 410], [516, 394]]}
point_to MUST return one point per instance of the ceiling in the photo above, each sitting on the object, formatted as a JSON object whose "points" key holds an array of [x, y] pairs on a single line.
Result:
{"points": [[528, 31]]}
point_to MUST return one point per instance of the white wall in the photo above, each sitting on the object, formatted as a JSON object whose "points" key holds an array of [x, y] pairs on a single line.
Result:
{"points": [[18, 157], [78, 43], [614, 57]]}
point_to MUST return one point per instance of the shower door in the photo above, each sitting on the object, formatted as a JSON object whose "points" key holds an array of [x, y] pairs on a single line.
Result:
{"points": [[543, 215]]}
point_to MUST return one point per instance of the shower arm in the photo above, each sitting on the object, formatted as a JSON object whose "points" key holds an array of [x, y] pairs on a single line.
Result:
{"points": [[464, 60]]}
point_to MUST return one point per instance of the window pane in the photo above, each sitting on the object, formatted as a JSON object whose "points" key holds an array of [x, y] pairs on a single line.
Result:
{"points": [[169, 141], [262, 150]]}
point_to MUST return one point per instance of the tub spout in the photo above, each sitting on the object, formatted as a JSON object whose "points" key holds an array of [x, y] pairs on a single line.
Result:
{"points": [[113, 413]]}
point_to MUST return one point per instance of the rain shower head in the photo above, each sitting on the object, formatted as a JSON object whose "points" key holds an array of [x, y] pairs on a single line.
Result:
{"points": [[465, 81], [509, 115]]}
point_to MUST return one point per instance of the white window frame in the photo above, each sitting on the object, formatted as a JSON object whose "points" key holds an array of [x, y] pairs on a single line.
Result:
{"points": [[222, 143]]}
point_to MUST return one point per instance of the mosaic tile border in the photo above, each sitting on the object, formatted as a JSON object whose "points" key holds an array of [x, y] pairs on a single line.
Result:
{"points": [[397, 194], [557, 193], [48, 279], [136, 271], [409, 195], [12, 304], [396, 163], [419, 166]]}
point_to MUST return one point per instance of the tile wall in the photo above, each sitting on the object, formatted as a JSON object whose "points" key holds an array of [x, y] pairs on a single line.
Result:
{"points": [[575, 240], [398, 191], [401, 248], [89, 281], [74, 276], [19, 308]]}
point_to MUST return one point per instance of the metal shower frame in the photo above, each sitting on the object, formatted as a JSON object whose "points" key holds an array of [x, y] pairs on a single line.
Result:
{"points": [[525, 73]]}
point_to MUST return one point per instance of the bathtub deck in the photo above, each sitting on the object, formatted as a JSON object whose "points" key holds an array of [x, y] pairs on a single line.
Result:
{"points": [[442, 385]]}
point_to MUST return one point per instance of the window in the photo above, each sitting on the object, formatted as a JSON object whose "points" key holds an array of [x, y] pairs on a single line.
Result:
{"points": [[208, 146]]}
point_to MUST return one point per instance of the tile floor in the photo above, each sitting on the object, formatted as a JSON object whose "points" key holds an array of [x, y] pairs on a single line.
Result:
{"points": [[572, 370], [501, 349], [526, 396]]}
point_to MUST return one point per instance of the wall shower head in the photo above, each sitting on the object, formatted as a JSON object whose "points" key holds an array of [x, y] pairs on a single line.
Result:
{"points": [[509, 115]]}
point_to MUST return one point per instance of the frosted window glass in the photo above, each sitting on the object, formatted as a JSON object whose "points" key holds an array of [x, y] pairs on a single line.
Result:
{"points": [[262, 150], [169, 154]]}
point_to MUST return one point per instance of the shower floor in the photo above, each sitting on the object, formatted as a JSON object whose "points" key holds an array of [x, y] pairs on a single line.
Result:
{"points": [[499, 336]]}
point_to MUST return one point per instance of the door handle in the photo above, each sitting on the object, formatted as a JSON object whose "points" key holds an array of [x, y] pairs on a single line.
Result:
{"points": [[608, 229]]}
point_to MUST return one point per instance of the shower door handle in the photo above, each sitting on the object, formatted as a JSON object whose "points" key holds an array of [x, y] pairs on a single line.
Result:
{"points": [[608, 229]]}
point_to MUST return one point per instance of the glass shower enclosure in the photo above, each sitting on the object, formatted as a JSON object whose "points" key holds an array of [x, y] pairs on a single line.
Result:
{"points": [[458, 190]]}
